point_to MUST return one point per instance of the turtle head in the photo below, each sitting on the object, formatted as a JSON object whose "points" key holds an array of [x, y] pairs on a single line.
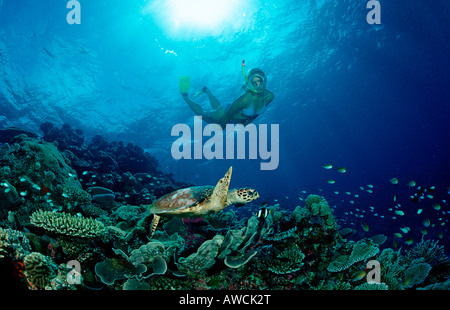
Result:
{"points": [[241, 196]]}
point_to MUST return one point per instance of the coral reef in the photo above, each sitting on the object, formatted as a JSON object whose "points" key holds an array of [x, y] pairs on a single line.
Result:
{"points": [[39, 269], [66, 224], [203, 259], [65, 203]]}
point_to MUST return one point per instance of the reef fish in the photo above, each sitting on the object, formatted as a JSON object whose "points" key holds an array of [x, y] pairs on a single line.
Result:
{"points": [[394, 181], [341, 169], [365, 226]]}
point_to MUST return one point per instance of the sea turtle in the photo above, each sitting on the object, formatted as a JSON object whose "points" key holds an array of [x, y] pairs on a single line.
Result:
{"points": [[200, 200]]}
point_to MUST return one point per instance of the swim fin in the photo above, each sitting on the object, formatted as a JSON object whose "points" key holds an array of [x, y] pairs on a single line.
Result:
{"points": [[185, 84]]}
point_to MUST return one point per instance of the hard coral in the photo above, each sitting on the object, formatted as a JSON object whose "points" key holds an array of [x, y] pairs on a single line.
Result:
{"points": [[39, 269], [66, 224]]}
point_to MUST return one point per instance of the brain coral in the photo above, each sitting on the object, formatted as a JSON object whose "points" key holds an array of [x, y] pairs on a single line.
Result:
{"points": [[39, 269], [66, 224]]}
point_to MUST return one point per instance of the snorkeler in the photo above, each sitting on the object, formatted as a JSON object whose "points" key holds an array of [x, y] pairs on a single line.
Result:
{"points": [[243, 110]]}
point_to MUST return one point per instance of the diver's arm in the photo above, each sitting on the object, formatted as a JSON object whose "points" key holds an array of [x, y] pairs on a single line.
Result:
{"points": [[235, 107], [270, 97]]}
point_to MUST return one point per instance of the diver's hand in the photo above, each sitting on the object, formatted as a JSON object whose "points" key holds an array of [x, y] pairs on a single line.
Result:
{"points": [[205, 89], [185, 95]]}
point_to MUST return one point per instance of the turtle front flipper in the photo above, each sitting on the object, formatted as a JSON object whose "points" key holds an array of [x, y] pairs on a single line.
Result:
{"points": [[154, 224], [220, 192]]}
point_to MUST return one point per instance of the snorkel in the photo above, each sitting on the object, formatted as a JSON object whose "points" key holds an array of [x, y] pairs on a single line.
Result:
{"points": [[243, 71], [253, 73]]}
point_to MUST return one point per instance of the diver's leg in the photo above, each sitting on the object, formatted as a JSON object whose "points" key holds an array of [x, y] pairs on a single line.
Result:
{"points": [[212, 100], [194, 106], [214, 116]]}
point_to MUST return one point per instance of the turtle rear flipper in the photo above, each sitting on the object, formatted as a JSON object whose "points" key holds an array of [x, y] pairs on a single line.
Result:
{"points": [[220, 192]]}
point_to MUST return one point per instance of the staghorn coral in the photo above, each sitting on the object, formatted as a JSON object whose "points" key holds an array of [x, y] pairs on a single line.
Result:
{"points": [[66, 224], [39, 269]]}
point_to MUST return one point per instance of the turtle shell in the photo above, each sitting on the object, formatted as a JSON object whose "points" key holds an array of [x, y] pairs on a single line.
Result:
{"points": [[178, 201]]}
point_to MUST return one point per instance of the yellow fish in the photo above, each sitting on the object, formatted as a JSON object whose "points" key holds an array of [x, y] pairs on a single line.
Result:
{"points": [[365, 226], [412, 183], [394, 243], [329, 166], [341, 169], [331, 181], [437, 206], [426, 222], [394, 181], [358, 275], [409, 241]]}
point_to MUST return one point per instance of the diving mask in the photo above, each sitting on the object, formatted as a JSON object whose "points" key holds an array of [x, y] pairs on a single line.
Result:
{"points": [[256, 83]]}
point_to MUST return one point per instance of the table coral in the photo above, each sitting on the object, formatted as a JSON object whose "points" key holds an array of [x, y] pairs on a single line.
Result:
{"points": [[66, 224], [361, 251]]}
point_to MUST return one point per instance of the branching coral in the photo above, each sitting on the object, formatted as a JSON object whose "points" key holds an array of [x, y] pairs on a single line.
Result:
{"points": [[66, 224], [428, 250]]}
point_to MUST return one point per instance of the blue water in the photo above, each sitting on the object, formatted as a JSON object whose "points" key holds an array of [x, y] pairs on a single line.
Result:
{"points": [[372, 98]]}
